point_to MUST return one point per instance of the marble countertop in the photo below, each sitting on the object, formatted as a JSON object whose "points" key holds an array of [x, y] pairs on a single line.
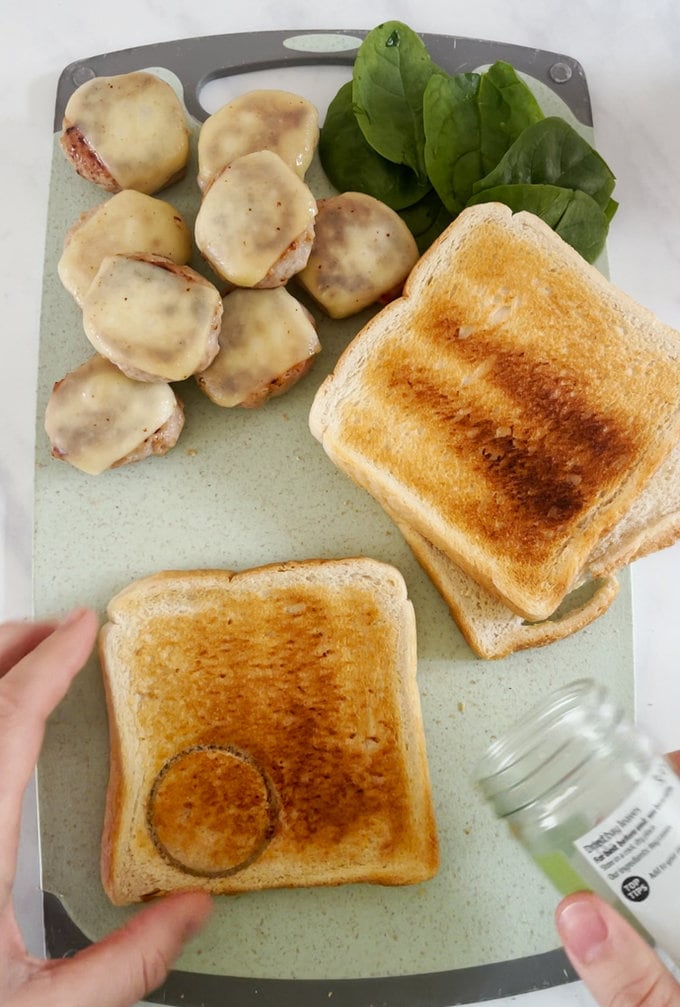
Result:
{"points": [[629, 52]]}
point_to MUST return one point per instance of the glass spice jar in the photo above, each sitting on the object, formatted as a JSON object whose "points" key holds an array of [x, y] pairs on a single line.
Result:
{"points": [[594, 804]]}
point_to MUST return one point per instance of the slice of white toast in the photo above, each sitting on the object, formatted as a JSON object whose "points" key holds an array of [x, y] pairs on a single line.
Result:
{"points": [[510, 407], [266, 731], [490, 628]]}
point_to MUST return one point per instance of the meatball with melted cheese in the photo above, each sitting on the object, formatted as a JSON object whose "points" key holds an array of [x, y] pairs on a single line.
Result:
{"points": [[97, 418], [268, 341], [255, 225], [362, 253], [128, 222], [155, 320], [258, 120], [128, 131]]}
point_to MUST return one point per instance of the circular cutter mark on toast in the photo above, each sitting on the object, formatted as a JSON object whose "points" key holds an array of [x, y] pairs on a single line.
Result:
{"points": [[212, 810]]}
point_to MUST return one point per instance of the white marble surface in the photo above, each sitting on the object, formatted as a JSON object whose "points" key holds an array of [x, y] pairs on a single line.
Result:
{"points": [[629, 51]]}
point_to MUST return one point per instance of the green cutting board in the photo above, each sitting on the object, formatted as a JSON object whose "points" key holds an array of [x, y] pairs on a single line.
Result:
{"points": [[243, 488]]}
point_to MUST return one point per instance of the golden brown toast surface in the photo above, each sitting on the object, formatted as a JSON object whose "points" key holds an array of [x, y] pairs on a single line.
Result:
{"points": [[275, 728], [211, 810], [509, 407]]}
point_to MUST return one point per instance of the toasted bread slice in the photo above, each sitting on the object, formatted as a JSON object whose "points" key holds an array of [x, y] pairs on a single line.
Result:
{"points": [[266, 731], [488, 626], [652, 523], [510, 407], [493, 631]]}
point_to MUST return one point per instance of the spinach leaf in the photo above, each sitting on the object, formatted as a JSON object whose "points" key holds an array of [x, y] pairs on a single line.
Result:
{"points": [[582, 227], [506, 108], [452, 137], [470, 121], [391, 70], [551, 151], [351, 164], [573, 214], [426, 219], [428, 144]]}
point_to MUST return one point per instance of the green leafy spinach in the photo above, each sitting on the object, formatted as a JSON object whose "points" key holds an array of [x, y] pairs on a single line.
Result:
{"points": [[428, 144], [551, 151], [573, 214], [353, 165], [470, 121], [391, 71]]}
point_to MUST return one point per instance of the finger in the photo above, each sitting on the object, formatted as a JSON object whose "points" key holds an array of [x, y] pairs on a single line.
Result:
{"points": [[615, 962], [674, 759], [36, 683], [19, 638], [28, 693], [17, 966], [125, 966]]}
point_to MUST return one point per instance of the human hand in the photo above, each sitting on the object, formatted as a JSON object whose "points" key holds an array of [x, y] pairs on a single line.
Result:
{"points": [[614, 961], [37, 664]]}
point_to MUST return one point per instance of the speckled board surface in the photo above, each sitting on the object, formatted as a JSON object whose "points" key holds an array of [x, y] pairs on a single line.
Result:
{"points": [[248, 487]]}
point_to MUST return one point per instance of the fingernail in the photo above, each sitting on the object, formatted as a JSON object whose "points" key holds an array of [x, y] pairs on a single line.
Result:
{"points": [[582, 929]]}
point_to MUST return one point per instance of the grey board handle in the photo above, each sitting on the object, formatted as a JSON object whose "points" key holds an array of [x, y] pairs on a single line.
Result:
{"points": [[196, 61]]}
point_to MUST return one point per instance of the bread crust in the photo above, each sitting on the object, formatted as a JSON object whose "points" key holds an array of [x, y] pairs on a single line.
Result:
{"points": [[522, 403], [309, 668], [652, 523], [493, 631], [487, 625]]}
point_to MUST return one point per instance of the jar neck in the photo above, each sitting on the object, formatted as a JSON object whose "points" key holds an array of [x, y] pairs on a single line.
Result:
{"points": [[538, 763], [591, 791]]}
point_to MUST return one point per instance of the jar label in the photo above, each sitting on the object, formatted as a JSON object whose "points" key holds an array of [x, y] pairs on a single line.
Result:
{"points": [[636, 851]]}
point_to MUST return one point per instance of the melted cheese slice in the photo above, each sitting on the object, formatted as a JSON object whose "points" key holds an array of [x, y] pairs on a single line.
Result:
{"points": [[264, 334], [254, 210], [363, 251], [135, 124], [152, 319], [128, 222], [259, 120], [95, 416]]}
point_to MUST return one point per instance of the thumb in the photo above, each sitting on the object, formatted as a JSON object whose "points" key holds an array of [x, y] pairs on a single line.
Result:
{"points": [[129, 963], [614, 961]]}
